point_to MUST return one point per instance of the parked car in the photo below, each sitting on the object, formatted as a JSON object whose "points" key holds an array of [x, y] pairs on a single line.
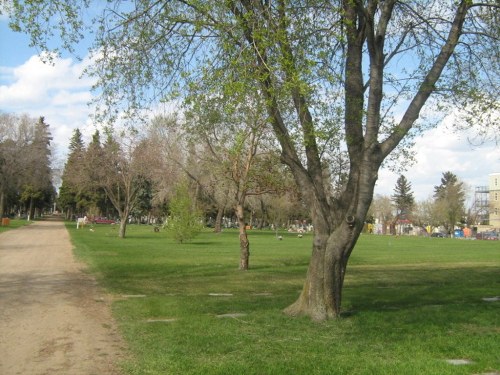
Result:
{"points": [[103, 220], [487, 236]]}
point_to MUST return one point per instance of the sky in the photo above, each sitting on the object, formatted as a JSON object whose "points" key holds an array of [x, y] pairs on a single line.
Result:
{"points": [[58, 93]]}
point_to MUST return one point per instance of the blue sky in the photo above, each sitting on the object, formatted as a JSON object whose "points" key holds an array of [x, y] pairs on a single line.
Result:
{"points": [[58, 93]]}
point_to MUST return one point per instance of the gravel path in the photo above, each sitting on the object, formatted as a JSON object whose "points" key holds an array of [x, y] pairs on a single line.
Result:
{"points": [[52, 316]]}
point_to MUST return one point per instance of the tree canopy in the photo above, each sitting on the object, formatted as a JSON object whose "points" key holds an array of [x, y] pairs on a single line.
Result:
{"points": [[25, 165], [450, 199]]}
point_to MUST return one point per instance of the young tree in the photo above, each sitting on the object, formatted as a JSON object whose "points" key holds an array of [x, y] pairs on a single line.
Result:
{"points": [[185, 221], [233, 131], [356, 72]]}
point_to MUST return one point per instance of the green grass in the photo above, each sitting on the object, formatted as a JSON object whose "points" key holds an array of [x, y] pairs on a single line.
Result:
{"points": [[13, 224], [409, 304]]}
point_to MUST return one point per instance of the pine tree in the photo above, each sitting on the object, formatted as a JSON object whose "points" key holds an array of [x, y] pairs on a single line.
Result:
{"points": [[94, 171], [72, 175], [38, 191], [403, 198]]}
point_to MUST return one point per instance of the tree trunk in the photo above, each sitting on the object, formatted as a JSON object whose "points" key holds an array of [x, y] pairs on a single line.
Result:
{"points": [[218, 220], [123, 228], [263, 218], [337, 226], [123, 222], [244, 243], [30, 210], [2, 204], [321, 295]]}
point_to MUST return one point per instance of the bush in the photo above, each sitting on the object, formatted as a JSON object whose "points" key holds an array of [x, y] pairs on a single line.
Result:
{"points": [[185, 221]]}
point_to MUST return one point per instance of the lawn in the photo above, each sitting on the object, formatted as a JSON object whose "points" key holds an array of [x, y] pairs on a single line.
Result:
{"points": [[13, 224], [410, 304]]}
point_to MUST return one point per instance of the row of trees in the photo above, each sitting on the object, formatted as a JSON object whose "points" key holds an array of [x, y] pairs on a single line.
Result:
{"points": [[221, 169], [25, 166], [103, 178], [446, 208]]}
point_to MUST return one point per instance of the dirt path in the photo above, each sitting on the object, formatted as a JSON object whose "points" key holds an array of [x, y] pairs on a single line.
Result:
{"points": [[52, 318]]}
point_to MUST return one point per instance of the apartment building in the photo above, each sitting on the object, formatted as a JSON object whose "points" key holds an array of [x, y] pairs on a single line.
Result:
{"points": [[494, 200]]}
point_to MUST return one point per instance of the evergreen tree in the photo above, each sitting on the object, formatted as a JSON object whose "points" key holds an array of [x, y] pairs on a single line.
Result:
{"points": [[38, 191], [95, 196], [9, 163], [144, 198], [72, 178], [403, 198]]}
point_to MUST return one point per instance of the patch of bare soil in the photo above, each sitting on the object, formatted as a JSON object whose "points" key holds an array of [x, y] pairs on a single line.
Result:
{"points": [[53, 317]]}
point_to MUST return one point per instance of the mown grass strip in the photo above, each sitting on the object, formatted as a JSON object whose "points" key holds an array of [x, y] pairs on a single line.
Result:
{"points": [[410, 304]]}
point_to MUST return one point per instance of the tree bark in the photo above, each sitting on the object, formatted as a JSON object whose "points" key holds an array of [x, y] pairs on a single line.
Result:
{"points": [[218, 219], [244, 243], [2, 204], [31, 210], [123, 222], [321, 295], [337, 226]]}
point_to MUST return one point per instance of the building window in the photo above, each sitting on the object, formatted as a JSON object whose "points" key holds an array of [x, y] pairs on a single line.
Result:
{"points": [[496, 196]]}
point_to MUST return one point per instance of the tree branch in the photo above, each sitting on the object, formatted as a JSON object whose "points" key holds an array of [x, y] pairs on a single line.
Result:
{"points": [[427, 86]]}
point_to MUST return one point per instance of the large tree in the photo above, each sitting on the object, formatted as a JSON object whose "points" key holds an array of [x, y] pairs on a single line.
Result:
{"points": [[351, 72], [122, 167], [10, 159], [450, 200], [92, 198], [403, 198], [37, 191], [25, 174], [73, 179]]}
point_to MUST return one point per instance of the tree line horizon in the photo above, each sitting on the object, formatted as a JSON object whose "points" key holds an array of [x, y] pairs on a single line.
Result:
{"points": [[83, 191]]}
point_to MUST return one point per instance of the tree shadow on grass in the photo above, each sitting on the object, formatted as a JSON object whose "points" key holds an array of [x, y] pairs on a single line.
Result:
{"points": [[403, 289]]}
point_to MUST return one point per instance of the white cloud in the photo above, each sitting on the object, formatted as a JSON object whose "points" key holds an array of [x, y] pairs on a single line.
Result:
{"points": [[35, 82], [56, 91], [440, 150]]}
